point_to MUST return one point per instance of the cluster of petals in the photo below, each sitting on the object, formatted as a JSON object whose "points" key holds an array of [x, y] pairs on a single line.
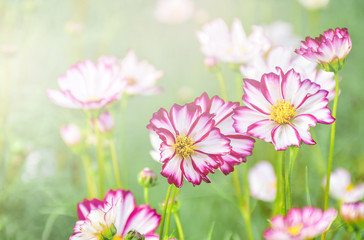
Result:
{"points": [[89, 85], [232, 46], [197, 138], [352, 212], [285, 59], [115, 216], [263, 181], [329, 49], [174, 11], [281, 108], [300, 224], [341, 187]]}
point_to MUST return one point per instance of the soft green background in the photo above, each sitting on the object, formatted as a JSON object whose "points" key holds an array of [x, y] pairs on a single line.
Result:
{"points": [[43, 205]]}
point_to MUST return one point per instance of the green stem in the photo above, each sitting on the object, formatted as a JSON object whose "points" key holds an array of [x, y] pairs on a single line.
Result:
{"points": [[146, 194], [278, 205], [100, 162], [179, 226], [239, 85], [308, 198], [357, 235], [115, 164], [284, 197], [169, 211], [332, 142], [221, 84], [91, 189], [246, 205], [164, 212], [292, 159], [124, 102]]}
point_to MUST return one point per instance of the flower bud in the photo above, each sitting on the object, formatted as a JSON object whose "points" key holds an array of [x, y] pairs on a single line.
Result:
{"points": [[105, 122], [147, 178], [211, 62], [134, 235], [71, 134], [110, 233], [176, 204]]}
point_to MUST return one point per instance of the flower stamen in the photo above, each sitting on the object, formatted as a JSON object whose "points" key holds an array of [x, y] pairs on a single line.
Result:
{"points": [[184, 146], [295, 230], [282, 112]]}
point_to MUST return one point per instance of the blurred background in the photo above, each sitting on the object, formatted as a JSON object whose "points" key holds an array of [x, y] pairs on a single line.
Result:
{"points": [[41, 180]]}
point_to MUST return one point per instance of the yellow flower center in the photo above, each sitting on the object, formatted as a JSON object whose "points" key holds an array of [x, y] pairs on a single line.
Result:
{"points": [[131, 81], [295, 230], [184, 146], [350, 187], [117, 238], [282, 112]]}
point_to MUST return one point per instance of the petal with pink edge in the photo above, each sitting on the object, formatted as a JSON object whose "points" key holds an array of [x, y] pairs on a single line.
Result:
{"points": [[284, 136], [172, 171], [262, 129]]}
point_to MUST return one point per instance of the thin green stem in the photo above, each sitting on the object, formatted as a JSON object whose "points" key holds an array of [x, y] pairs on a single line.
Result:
{"points": [[169, 211], [332, 142], [246, 204], [284, 198], [91, 188], [179, 226], [308, 198], [239, 85], [100, 162], [292, 159], [164, 212], [124, 103], [146, 195], [115, 164], [358, 235], [221, 84], [278, 204]]}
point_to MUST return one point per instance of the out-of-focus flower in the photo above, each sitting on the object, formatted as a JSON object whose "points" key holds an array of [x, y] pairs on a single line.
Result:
{"points": [[281, 109], [140, 76], [105, 122], [88, 85], [314, 4], [241, 144], [40, 163], [9, 49], [263, 182], [191, 144], [147, 178], [71, 134], [174, 11], [341, 187], [114, 218], [300, 224], [286, 60], [352, 212], [281, 34], [328, 50], [231, 46], [211, 62], [74, 27]]}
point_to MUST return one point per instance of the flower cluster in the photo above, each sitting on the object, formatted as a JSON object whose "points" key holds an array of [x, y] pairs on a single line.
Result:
{"points": [[198, 138], [114, 218]]}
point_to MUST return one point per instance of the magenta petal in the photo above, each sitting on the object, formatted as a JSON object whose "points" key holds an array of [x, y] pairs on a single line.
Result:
{"points": [[84, 208]]}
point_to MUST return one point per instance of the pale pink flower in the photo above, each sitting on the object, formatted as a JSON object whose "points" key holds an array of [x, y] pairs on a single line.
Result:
{"points": [[71, 134], [141, 76], [341, 187], [300, 224], [231, 46], [286, 60], [314, 4], [241, 144], [281, 34], [88, 85], [328, 50], [263, 182], [281, 108], [114, 217], [174, 11], [352, 212], [105, 122], [191, 144]]}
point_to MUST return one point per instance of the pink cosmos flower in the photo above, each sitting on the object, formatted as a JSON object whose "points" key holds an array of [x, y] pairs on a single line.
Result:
{"points": [[140, 75], [114, 217], [281, 108], [341, 187], [88, 85], [284, 58], [328, 50], [231, 46], [263, 182], [192, 146], [241, 144], [352, 212], [300, 224]]}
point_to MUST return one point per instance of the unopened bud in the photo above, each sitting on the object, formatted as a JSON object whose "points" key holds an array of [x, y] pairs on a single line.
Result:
{"points": [[71, 134], [147, 178], [134, 235], [105, 122], [211, 62], [176, 204]]}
